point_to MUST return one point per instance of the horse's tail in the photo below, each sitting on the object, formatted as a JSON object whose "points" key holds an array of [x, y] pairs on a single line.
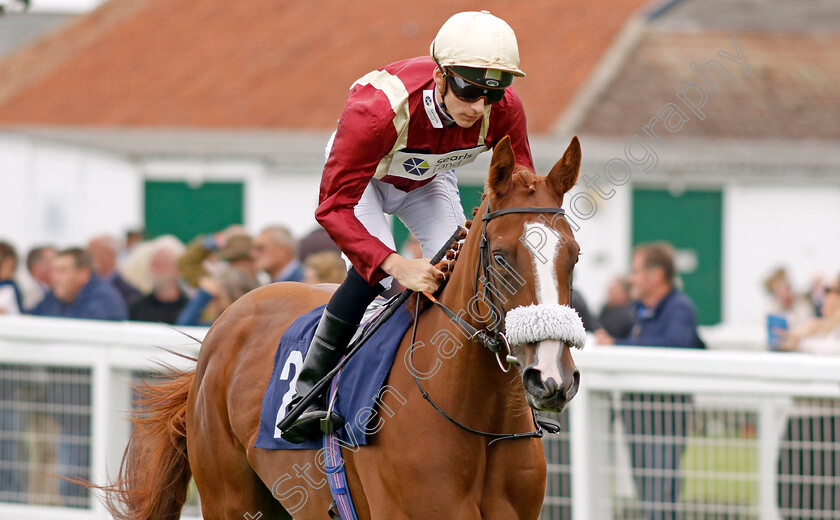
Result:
{"points": [[155, 472]]}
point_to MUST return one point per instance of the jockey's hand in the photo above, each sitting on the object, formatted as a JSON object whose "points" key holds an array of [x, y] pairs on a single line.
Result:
{"points": [[417, 275]]}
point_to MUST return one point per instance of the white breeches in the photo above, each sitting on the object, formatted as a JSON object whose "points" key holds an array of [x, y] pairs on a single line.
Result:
{"points": [[431, 212]]}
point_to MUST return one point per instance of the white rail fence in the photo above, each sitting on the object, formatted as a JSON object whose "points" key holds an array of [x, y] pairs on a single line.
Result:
{"points": [[653, 433]]}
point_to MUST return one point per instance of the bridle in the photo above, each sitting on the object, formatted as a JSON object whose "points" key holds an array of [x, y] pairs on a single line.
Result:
{"points": [[492, 337], [488, 275]]}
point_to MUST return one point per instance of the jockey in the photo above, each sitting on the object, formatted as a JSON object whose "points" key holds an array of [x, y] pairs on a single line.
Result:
{"points": [[404, 130]]}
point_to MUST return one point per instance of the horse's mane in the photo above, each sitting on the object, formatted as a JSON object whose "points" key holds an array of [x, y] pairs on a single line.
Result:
{"points": [[446, 266]]}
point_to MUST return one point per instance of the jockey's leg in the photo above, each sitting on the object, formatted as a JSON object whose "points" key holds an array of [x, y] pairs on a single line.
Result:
{"points": [[341, 317], [338, 324]]}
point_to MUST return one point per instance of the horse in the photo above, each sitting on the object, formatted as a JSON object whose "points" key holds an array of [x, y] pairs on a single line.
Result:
{"points": [[203, 423]]}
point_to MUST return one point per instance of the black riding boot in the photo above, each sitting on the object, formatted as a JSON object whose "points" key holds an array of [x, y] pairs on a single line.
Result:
{"points": [[331, 339]]}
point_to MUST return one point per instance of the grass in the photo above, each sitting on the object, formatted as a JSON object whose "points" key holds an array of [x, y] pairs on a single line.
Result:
{"points": [[720, 470]]}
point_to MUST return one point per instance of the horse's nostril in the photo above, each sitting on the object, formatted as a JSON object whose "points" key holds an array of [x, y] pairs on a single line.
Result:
{"points": [[572, 391], [532, 378]]}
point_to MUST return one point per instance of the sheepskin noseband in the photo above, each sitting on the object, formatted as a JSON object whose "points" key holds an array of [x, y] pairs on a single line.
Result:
{"points": [[544, 321]]}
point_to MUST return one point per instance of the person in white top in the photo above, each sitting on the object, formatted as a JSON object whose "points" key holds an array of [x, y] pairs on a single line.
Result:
{"points": [[808, 461], [819, 335]]}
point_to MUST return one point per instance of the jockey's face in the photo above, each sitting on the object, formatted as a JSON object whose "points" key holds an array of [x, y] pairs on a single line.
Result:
{"points": [[465, 113]]}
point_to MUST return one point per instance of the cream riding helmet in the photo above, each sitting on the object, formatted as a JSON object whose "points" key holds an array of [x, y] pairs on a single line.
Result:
{"points": [[477, 54]]}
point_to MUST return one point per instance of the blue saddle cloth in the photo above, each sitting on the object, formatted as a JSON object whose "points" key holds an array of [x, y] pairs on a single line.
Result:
{"points": [[358, 386]]}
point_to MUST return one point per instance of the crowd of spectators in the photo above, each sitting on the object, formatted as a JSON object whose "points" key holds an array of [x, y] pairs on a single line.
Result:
{"points": [[161, 280]]}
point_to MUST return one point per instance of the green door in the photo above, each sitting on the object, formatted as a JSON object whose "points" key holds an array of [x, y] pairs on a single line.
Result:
{"points": [[185, 211], [692, 222], [470, 198]]}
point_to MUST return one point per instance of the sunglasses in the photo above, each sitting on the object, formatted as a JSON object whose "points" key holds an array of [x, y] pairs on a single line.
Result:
{"points": [[469, 92], [835, 290]]}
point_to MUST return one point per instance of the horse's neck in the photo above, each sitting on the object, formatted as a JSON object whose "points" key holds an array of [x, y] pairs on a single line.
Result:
{"points": [[470, 382], [469, 385]]}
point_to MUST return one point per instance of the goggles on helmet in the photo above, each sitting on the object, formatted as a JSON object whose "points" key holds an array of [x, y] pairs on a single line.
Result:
{"points": [[469, 91]]}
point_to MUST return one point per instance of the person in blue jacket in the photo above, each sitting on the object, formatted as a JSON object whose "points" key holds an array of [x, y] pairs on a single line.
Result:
{"points": [[78, 293], [657, 424]]}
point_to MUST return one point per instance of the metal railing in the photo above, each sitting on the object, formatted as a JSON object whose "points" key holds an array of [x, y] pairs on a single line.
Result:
{"points": [[65, 388], [652, 434]]}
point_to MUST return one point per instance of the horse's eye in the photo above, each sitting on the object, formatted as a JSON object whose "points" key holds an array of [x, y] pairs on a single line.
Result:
{"points": [[499, 258]]}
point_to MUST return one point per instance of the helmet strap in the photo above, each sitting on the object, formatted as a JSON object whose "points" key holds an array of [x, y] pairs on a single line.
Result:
{"points": [[445, 89]]}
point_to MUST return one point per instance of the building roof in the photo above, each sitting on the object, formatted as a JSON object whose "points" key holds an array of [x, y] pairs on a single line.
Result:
{"points": [[269, 64], [792, 90], [752, 15]]}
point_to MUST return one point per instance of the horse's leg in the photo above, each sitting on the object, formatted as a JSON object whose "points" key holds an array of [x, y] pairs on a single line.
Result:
{"points": [[228, 487], [516, 488], [295, 480], [418, 483]]}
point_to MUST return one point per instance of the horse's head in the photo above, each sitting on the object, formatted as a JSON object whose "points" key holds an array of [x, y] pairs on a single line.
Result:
{"points": [[528, 253]]}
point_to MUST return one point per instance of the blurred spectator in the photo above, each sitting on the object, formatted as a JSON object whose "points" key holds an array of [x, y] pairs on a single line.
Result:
{"points": [[657, 424], [324, 267], [203, 254], [215, 294], [136, 269], [817, 294], [133, 238], [77, 291], [103, 251], [316, 241], [237, 253], [275, 252], [619, 313], [785, 309], [167, 300], [39, 262], [809, 461], [11, 301], [818, 335], [665, 317]]}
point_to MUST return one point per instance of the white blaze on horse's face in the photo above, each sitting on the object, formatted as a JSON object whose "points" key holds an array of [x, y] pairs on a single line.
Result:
{"points": [[552, 380], [545, 278]]}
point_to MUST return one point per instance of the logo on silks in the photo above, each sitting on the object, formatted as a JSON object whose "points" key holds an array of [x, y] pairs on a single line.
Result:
{"points": [[415, 166], [428, 101]]}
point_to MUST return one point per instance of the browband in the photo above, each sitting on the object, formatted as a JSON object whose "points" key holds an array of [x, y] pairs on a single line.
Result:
{"points": [[494, 214]]}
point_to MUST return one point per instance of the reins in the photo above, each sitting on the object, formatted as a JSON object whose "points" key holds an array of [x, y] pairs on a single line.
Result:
{"points": [[491, 337]]}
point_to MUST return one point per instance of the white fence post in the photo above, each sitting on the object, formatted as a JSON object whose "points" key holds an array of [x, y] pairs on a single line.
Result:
{"points": [[589, 421], [771, 418], [100, 385]]}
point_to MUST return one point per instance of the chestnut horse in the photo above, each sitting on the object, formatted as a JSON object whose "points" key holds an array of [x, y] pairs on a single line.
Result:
{"points": [[419, 465]]}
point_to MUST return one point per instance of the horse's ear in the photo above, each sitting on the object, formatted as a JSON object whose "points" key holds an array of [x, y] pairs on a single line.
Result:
{"points": [[564, 175], [501, 167]]}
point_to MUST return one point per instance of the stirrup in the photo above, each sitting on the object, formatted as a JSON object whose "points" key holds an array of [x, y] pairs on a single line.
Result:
{"points": [[311, 424]]}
